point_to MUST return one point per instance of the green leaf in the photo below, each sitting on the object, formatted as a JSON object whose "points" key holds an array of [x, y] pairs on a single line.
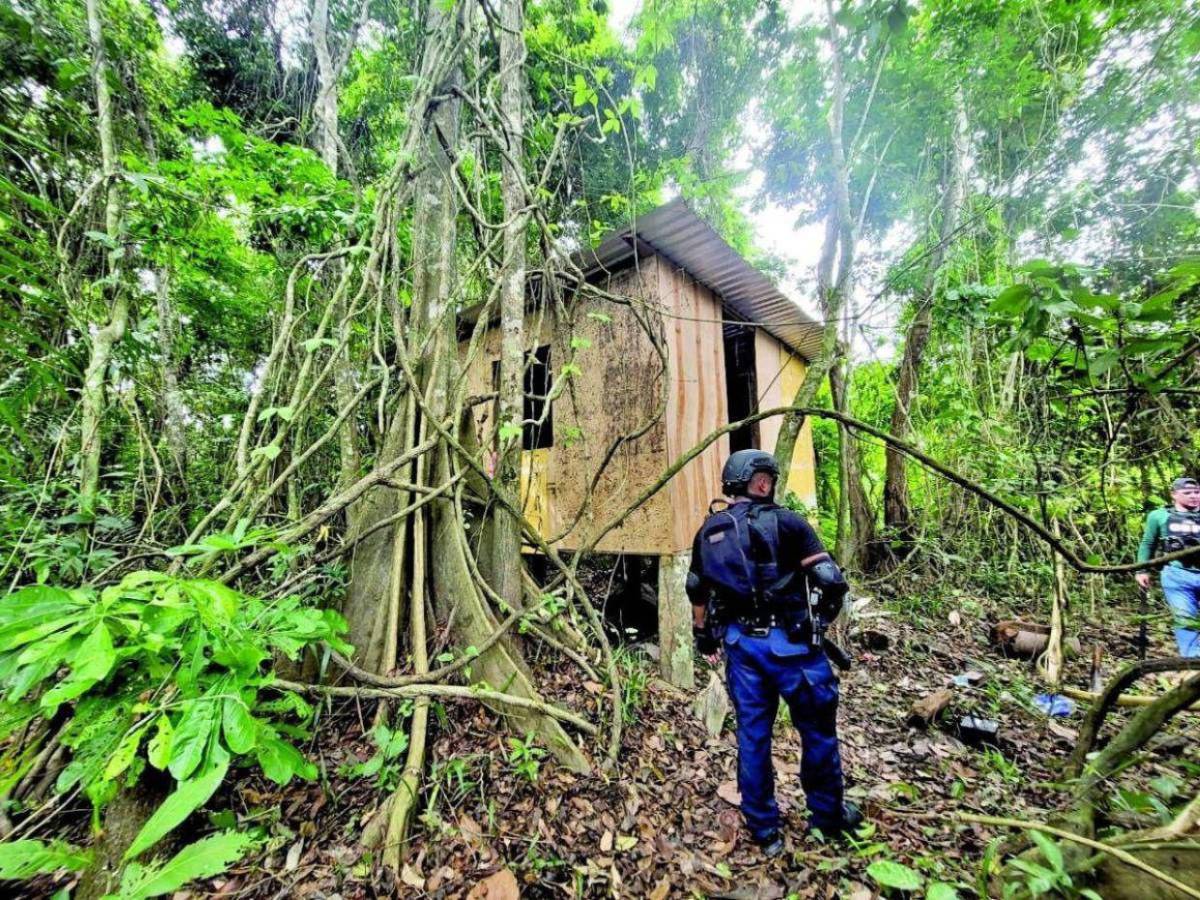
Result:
{"points": [[241, 731], [1166, 786], [203, 859], [158, 751], [270, 451], [1012, 300], [895, 875], [91, 663], [313, 343], [1050, 850], [24, 859], [125, 752], [986, 865], [582, 92], [939, 890], [191, 737], [280, 761], [32, 607], [185, 800], [101, 238], [287, 413]]}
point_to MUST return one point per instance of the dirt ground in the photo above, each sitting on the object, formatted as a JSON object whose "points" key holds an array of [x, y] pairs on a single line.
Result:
{"points": [[500, 820]]}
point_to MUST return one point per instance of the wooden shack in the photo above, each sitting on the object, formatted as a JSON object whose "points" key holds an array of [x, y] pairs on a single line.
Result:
{"points": [[733, 344]]}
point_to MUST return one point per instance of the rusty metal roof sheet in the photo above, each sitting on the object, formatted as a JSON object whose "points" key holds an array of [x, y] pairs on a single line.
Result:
{"points": [[675, 232]]}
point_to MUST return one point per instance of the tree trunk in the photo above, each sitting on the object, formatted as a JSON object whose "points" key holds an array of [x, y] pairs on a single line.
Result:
{"points": [[897, 511], [839, 239], [860, 536], [325, 111], [124, 817], [456, 598], [171, 399], [506, 530], [106, 336]]}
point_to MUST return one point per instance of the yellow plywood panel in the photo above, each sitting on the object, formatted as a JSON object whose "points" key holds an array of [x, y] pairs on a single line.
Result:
{"points": [[535, 495], [802, 476], [769, 359]]}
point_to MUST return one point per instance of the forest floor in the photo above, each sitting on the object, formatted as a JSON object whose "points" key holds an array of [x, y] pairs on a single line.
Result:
{"points": [[498, 820]]}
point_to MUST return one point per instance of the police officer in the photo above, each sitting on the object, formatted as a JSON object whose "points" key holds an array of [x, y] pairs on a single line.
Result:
{"points": [[1169, 530], [753, 566]]}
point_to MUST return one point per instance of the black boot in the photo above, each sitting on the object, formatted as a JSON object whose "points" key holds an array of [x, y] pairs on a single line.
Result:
{"points": [[771, 844], [852, 817]]}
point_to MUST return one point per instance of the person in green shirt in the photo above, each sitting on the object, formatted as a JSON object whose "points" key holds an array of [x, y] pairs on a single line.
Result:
{"points": [[1169, 530]]}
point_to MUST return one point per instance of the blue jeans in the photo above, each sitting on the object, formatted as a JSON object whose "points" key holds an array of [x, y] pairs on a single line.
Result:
{"points": [[1181, 587], [760, 670]]}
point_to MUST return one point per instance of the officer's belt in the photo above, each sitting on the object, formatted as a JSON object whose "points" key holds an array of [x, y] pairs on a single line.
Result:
{"points": [[760, 625]]}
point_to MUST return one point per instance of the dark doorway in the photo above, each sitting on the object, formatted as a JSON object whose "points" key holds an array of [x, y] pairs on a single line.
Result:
{"points": [[741, 384], [625, 588]]}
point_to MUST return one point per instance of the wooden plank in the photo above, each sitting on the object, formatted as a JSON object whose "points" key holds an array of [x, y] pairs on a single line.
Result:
{"points": [[617, 390], [697, 406]]}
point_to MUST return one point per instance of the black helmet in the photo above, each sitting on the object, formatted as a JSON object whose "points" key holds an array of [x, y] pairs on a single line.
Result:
{"points": [[742, 465]]}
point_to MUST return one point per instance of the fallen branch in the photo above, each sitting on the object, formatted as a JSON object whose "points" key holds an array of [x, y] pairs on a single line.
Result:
{"points": [[1133, 736], [1112, 696], [485, 695], [1183, 824], [1115, 852]]}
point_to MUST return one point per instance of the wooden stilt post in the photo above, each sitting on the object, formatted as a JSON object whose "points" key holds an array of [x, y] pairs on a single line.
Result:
{"points": [[675, 620]]}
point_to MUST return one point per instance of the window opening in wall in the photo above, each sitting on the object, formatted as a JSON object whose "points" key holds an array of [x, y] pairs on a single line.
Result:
{"points": [[741, 384], [536, 433]]}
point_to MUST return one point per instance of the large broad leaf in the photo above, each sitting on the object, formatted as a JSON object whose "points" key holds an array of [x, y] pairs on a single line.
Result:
{"points": [[186, 799], [24, 859], [241, 731], [39, 605], [280, 761], [895, 875], [1011, 301], [192, 735], [205, 858], [92, 662], [1050, 850], [216, 602]]}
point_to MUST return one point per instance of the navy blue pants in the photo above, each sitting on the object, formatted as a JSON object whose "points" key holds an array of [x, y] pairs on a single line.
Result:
{"points": [[760, 670]]}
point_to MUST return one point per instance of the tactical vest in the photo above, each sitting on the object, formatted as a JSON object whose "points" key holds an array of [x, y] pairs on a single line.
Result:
{"points": [[739, 555], [1182, 533]]}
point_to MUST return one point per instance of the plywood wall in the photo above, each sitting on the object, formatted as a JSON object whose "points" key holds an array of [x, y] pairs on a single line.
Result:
{"points": [[617, 388], [697, 401]]}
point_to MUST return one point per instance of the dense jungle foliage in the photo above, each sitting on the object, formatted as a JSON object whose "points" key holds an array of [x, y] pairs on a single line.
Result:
{"points": [[235, 243]]}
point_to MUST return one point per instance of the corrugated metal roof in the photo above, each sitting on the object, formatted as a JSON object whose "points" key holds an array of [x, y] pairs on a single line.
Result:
{"points": [[674, 231]]}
